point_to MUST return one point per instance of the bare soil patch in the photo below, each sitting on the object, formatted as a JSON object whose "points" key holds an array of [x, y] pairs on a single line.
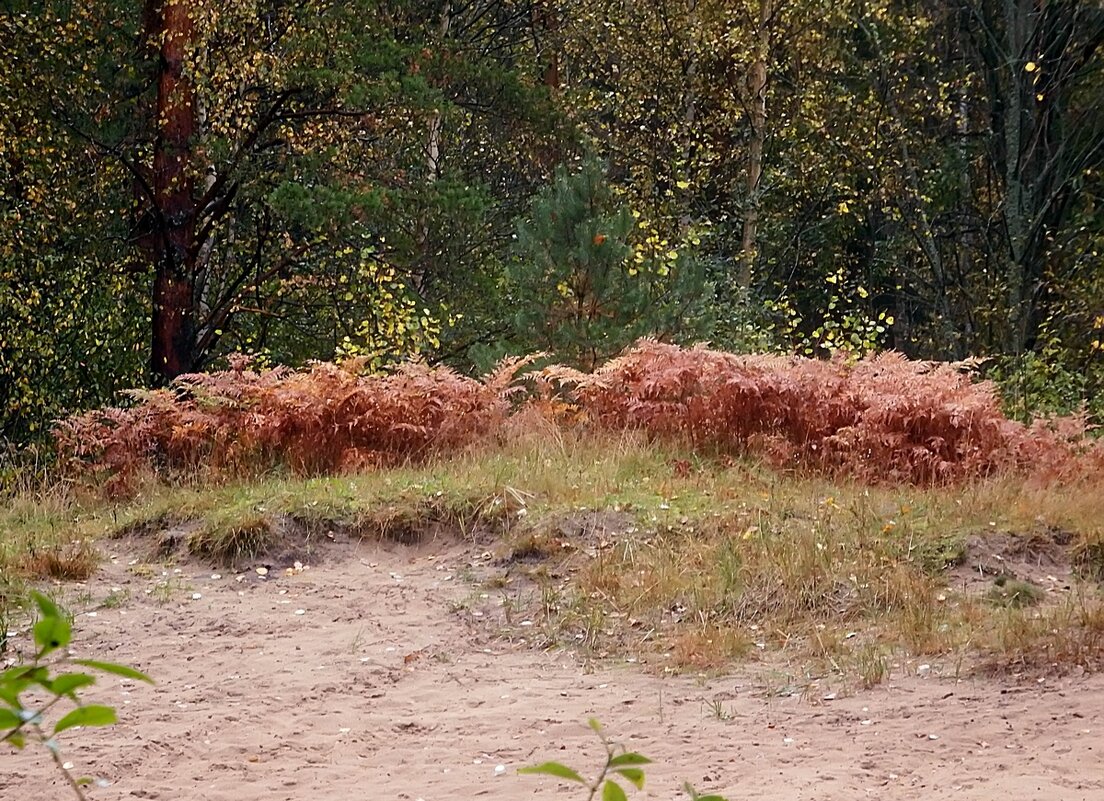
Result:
{"points": [[1041, 557], [378, 672]]}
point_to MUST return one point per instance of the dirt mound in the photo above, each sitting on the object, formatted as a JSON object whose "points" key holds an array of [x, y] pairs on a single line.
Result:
{"points": [[1041, 558]]}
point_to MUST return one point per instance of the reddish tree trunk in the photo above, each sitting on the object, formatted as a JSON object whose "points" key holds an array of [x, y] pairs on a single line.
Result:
{"points": [[173, 350]]}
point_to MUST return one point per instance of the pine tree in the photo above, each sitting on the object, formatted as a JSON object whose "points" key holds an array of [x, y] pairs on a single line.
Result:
{"points": [[584, 283]]}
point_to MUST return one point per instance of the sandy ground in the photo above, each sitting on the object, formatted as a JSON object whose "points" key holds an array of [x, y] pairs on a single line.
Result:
{"points": [[369, 677]]}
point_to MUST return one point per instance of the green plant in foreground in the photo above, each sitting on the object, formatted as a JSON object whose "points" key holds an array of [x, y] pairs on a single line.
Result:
{"points": [[21, 722], [625, 764]]}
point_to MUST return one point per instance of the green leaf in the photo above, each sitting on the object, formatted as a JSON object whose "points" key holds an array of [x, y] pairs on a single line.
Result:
{"points": [[111, 667], [554, 769], [16, 680], [16, 739], [15, 673], [47, 606], [52, 633], [634, 775], [91, 715], [689, 788], [8, 719], [10, 690], [594, 724], [66, 683], [629, 758], [611, 791]]}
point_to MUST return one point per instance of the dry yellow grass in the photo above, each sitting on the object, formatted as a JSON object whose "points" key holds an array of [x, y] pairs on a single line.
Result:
{"points": [[628, 547]]}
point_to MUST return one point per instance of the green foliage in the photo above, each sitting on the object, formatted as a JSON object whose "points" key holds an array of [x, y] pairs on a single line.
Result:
{"points": [[1007, 591], [66, 343], [846, 326], [620, 764], [322, 224], [1031, 386], [72, 312], [931, 181], [586, 285], [21, 722], [1056, 378]]}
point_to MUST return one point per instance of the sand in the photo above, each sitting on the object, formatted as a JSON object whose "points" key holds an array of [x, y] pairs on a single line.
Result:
{"points": [[370, 676]]}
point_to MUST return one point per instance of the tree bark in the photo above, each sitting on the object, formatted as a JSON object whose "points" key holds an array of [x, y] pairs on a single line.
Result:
{"points": [[433, 166], [1016, 202], [173, 346], [757, 91]]}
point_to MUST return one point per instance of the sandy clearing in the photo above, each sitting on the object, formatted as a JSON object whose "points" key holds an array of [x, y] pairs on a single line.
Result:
{"points": [[380, 690]]}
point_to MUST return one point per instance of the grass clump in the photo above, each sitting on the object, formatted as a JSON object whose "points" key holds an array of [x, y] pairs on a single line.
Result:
{"points": [[1007, 591], [233, 540], [1056, 639]]}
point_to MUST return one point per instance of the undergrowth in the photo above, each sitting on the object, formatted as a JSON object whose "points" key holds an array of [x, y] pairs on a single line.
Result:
{"points": [[686, 507], [883, 419], [618, 545], [323, 420]]}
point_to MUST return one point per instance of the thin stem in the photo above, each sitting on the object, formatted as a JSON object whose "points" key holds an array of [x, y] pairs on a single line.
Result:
{"points": [[605, 768], [36, 716], [61, 766]]}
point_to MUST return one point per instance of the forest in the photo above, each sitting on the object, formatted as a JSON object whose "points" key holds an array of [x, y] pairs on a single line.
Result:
{"points": [[397, 394], [460, 181]]}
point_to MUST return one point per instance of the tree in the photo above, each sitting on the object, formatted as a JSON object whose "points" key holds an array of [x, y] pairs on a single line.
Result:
{"points": [[72, 314], [586, 286], [264, 143], [1044, 106]]}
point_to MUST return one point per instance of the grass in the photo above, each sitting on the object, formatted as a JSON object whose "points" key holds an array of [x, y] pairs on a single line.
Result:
{"points": [[1013, 592], [680, 561], [1067, 635]]}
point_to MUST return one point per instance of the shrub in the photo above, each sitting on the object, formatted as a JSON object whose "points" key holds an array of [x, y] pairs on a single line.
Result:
{"points": [[884, 418], [324, 419]]}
